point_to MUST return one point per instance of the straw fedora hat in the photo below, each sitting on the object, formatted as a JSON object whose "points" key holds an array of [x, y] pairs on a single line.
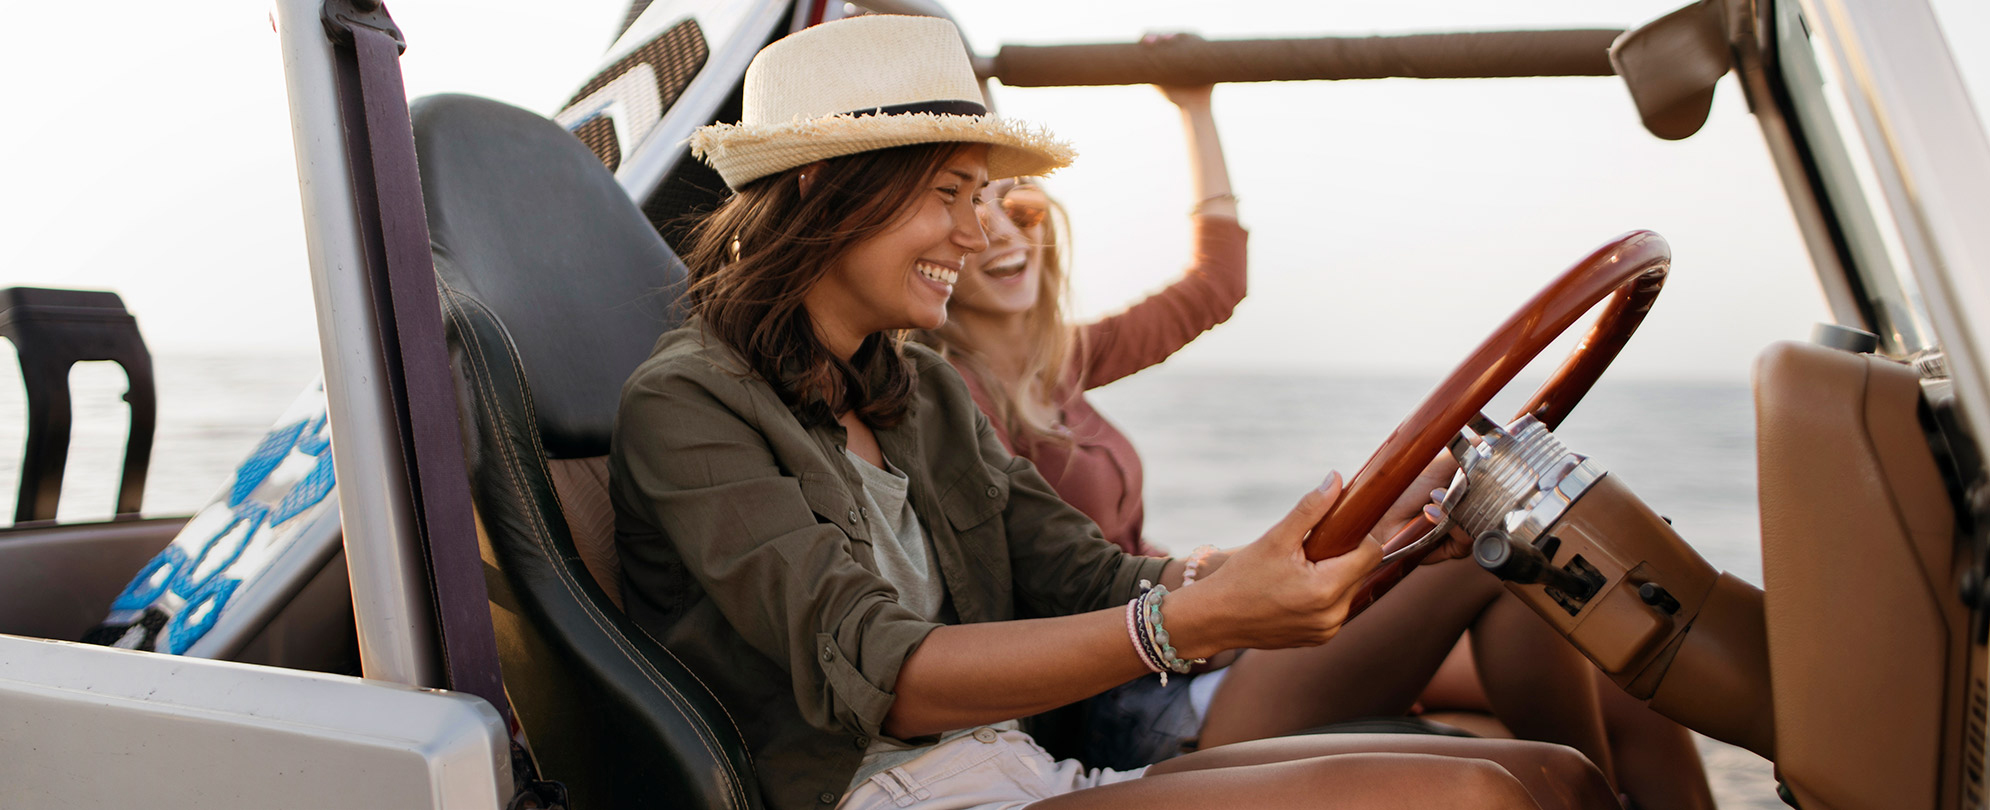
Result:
{"points": [[867, 83]]}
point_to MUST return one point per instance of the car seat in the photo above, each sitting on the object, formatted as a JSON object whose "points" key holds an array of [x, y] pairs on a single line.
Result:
{"points": [[554, 286]]}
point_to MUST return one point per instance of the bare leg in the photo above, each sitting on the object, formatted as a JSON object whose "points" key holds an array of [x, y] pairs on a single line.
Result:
{"points": [[1655, 761], [1535, 681], [1381, 661], [1375, 667], [1657, 764], [1348, 782], [1456, 687], [1555, 776]]}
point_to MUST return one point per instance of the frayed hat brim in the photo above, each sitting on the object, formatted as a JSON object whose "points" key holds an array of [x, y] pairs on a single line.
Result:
{"points": [[743, 153]]}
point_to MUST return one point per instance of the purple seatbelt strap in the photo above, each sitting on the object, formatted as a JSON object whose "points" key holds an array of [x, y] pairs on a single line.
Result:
{"points": [[380, 146]]}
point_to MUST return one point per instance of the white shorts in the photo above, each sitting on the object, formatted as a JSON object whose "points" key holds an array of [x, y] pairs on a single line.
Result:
{"points": [[986, 770]]}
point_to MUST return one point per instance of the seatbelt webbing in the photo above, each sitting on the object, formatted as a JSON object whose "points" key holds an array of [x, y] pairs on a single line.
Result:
{"points": [[410, 314], [393, 222]]}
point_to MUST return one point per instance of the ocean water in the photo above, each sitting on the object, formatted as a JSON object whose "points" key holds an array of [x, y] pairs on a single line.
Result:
{"points": [[1226, 454]]}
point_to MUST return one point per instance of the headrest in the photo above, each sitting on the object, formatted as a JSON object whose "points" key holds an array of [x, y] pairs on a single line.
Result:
{"points": [[523, 218]]}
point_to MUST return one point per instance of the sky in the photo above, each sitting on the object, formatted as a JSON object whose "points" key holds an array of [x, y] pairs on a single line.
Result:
{"points": [[1394, 223]]}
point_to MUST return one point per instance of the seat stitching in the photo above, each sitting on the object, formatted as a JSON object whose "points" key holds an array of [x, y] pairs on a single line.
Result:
{"points": [[542, 535], [543, 539]]}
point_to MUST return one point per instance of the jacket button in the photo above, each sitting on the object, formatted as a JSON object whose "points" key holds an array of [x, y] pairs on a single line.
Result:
{"points": [[993, 491], [862, 743], [827, 656], [826, 798], [985, 734], [853, 517]]}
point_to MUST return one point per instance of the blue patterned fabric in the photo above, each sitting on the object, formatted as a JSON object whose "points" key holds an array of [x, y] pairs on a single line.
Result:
{"points": [[274, 496]]}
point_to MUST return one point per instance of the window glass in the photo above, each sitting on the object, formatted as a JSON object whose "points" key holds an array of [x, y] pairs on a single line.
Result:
{"points": [[1856, 197]]}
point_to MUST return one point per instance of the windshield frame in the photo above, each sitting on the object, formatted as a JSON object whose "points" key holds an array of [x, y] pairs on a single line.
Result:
{"points": [[1931, 160], [1859, 222]]}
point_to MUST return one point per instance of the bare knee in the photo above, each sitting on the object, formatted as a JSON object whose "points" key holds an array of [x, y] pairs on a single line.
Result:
{"points": [[1484, 783], [1580, 783], [1428, 780]]}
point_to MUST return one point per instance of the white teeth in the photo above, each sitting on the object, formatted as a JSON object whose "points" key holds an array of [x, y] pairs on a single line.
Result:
{"points": [[1008, 268], [944, 275]]}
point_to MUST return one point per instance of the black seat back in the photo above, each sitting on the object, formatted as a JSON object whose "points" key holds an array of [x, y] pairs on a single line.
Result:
{"points": [[554, 287]]}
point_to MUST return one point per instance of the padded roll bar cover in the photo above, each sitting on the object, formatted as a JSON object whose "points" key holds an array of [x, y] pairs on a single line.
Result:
{"points": [[607, 709], [525, 219], [1671, 66]]}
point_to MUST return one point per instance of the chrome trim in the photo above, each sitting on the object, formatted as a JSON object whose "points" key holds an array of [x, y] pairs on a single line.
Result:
{"points": [[1520, 479], [390, 595], [1554, 500]]}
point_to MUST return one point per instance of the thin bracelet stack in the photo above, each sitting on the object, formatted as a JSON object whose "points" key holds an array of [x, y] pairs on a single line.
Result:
{"points": [[1133, 634], [1150, 638]]}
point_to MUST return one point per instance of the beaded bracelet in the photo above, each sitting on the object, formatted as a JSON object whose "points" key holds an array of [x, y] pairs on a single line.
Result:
{"points": [[1158, 635], [1195, 559]]}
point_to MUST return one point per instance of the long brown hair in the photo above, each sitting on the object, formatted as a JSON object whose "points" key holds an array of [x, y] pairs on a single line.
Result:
{"points": [[1052, 341], [754, 260]]}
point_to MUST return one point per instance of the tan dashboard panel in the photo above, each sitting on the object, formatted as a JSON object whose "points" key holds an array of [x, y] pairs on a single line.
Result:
{"points": [[1865, 646]]}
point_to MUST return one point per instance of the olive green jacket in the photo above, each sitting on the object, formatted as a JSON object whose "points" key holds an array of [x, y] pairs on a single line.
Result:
{"points": [[744, 552]]}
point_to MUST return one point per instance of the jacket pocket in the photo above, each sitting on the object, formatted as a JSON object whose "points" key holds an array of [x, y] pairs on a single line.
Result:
{"points": [[974, 498], [973, 506], [832, 502]]}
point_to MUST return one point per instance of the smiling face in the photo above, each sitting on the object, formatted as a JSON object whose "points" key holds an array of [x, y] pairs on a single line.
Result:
{"points": [[901, 277], [1006, 280]]}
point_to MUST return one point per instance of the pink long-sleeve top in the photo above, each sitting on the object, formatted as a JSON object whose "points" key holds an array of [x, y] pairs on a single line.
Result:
{"points": [[1098, 471]]}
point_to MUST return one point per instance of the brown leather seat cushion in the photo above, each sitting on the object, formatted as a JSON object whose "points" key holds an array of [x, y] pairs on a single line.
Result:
{"points": [[582, 484]]}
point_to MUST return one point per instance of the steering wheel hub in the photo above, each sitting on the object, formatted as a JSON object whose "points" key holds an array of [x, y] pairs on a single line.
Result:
{"points": [[1519, 479]]}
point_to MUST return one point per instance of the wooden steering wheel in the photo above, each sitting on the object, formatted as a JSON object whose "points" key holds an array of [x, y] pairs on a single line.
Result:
{"points": [[1631, 269]]}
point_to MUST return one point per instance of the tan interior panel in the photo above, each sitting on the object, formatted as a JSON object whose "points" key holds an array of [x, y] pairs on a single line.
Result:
{"points": [[1696, 651], [1627, 545], [1866, 636], [57, 580]]}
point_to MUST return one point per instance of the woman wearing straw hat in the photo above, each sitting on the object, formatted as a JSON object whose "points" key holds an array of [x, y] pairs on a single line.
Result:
{"points": [[818, 521]]}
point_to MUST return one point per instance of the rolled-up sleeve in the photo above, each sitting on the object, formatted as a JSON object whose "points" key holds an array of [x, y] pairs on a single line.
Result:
{"points": [[701, 463]]}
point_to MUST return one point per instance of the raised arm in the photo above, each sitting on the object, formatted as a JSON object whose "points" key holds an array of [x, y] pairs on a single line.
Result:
{"points": [[1207, 293], [1209, 176]]}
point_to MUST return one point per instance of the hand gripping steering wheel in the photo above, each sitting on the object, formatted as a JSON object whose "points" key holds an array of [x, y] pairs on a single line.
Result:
{"points": [[1631, 269]]}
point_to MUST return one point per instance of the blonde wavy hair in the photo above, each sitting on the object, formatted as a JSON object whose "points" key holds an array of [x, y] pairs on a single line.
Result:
{"points": [[1053, 341]]}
